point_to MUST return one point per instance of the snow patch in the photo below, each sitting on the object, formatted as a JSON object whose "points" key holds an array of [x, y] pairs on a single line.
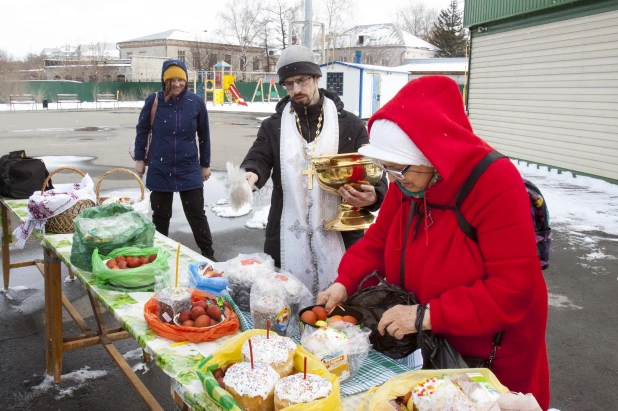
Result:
{"points": [[135, 354], [598, 255], [229, 212], [79, 378], [259, 219], [561, 301]]}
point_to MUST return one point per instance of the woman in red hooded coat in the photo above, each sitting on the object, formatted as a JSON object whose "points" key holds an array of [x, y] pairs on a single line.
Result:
{"points": [[423, 139]]}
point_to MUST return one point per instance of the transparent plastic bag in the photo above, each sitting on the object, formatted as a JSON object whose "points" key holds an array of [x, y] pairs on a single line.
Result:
{"points": [[108, 227], [199, 277], [241, 272], [172, 301], [278, 297], [147, 277], [133, 200], [342, 347]]}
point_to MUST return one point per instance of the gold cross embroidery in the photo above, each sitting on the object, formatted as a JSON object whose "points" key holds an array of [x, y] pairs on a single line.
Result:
{"points": [[309, 172]]}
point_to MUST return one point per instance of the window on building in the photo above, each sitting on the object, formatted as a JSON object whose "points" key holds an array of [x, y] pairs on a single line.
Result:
{"points": [[182, 55], [120, 78], [212, 60], [334, 82], [129, 54], [361, 40], [256, 63], [228, 58]]}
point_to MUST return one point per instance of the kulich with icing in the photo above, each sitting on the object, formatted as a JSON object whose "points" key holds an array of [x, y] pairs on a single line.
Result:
{"points": [[252, 388], [327, 340], [297, 390], [275, 351]]}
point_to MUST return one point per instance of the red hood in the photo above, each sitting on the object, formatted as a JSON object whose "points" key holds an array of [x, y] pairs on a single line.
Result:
{"points": [[431, 112]]}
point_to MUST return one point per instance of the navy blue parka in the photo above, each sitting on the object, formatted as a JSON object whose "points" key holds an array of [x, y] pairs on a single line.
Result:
{"points": [[174, 161]]}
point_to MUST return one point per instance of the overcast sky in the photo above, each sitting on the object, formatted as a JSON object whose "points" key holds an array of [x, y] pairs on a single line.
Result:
{"points": [[28, 26]]}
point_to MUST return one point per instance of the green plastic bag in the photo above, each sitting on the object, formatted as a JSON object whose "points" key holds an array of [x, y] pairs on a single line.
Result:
{"points": [[107, 228], [144, 278]]}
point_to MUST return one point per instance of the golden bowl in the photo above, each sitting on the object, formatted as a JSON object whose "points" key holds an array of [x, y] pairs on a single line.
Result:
{"points": [[333, 172]]}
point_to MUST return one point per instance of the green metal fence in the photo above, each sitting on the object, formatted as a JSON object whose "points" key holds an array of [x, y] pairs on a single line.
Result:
{"points": [[47, 90]]}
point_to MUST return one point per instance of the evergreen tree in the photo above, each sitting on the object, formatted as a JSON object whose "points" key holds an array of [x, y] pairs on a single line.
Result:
{"points": [[448, 32]]}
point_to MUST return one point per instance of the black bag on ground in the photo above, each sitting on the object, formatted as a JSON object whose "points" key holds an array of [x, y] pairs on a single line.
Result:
{"points": [[21, 176], [372, 302]]}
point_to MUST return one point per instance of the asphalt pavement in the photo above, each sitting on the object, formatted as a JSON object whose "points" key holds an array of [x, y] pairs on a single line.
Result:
{"points": [[581, 334]]}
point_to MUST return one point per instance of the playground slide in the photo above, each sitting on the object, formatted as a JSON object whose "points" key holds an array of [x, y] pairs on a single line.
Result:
{"points": [[237, 96]]}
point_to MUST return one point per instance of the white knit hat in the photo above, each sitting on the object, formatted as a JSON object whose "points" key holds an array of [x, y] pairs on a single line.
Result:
{"points": [[388, 142]]}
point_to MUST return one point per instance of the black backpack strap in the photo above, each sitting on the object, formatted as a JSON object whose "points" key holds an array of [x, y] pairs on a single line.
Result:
{"points": [[476, 173]]}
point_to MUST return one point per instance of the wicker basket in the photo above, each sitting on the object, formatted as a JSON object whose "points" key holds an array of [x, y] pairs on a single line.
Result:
{"points": [[63, 223], [124, 201]]}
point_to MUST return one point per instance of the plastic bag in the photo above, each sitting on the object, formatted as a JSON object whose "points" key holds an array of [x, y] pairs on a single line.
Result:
{"points": [[373, 302], [144, 278], [201, 280], [132, 200], [107, 228], [242, 271], [230, 353], [278, 297], [378, 399], [174, 332], [342, 347]]}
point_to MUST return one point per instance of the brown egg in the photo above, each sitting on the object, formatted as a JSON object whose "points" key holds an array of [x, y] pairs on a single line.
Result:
{"points": [[120, 258], [143, 260], [115, 267], [202, 321], [197, 312], [214, 312], [320, 312], [200, 303], [349, 319], [334, 319], [188, 323], [308, 317], [152, 258], [218, 373], [184, 316], [406, 397], [134, 262], [111, 263], [221, 383], [122, 265]]}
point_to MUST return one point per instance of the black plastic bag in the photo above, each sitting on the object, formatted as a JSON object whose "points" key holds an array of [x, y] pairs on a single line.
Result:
{"points": [[373, 302], [438, 353], [21, 176]]}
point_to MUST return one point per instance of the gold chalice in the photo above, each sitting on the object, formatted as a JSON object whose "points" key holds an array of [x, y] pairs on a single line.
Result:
{"points": [[333, 172]]}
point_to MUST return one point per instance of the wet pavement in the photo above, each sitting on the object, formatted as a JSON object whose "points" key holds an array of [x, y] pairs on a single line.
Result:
{"points": [[581, 333]]}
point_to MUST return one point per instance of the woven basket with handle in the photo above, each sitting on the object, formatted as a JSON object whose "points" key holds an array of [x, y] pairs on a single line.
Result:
{"points": [[63, 223], [124, 200]]}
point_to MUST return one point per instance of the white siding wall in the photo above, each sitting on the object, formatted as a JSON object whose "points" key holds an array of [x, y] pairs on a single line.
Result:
{"points": [[350, 85], [549, 93]]}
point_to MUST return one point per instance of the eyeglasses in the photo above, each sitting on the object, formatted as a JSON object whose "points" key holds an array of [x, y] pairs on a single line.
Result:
{"points": [[400, 175], [289, 85]]}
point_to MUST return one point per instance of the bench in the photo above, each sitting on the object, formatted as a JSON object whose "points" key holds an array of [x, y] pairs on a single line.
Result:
{"points": [[21, 99], [105, 98], [68, 98]]}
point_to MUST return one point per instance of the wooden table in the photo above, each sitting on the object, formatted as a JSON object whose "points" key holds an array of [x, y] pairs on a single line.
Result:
{"points": [[178, 361]]}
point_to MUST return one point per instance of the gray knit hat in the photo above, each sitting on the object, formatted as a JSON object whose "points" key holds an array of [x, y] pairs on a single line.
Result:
{"points": [[296, 60]]}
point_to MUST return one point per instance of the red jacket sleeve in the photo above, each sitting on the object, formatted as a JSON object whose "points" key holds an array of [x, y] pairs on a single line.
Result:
{"points": [[367, 255], [499, 208]]}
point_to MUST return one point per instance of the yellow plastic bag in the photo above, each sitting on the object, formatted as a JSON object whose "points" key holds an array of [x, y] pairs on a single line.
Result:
{"points": [[230, 353], [377, 399]]}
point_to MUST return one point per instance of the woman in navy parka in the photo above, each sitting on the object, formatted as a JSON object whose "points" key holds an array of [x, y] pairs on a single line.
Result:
{"points": [[174, 162]]}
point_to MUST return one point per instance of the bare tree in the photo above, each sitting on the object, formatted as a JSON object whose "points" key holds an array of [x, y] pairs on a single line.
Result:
{"points": [[417, 18], [280, 13], [242, 22], [336, 15], [200, 52]]}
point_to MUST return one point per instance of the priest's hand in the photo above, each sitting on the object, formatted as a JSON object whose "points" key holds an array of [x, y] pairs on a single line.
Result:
{"points": [[400, 320], [332, 296], [365, 198], [140, 167], [252, 179]]}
